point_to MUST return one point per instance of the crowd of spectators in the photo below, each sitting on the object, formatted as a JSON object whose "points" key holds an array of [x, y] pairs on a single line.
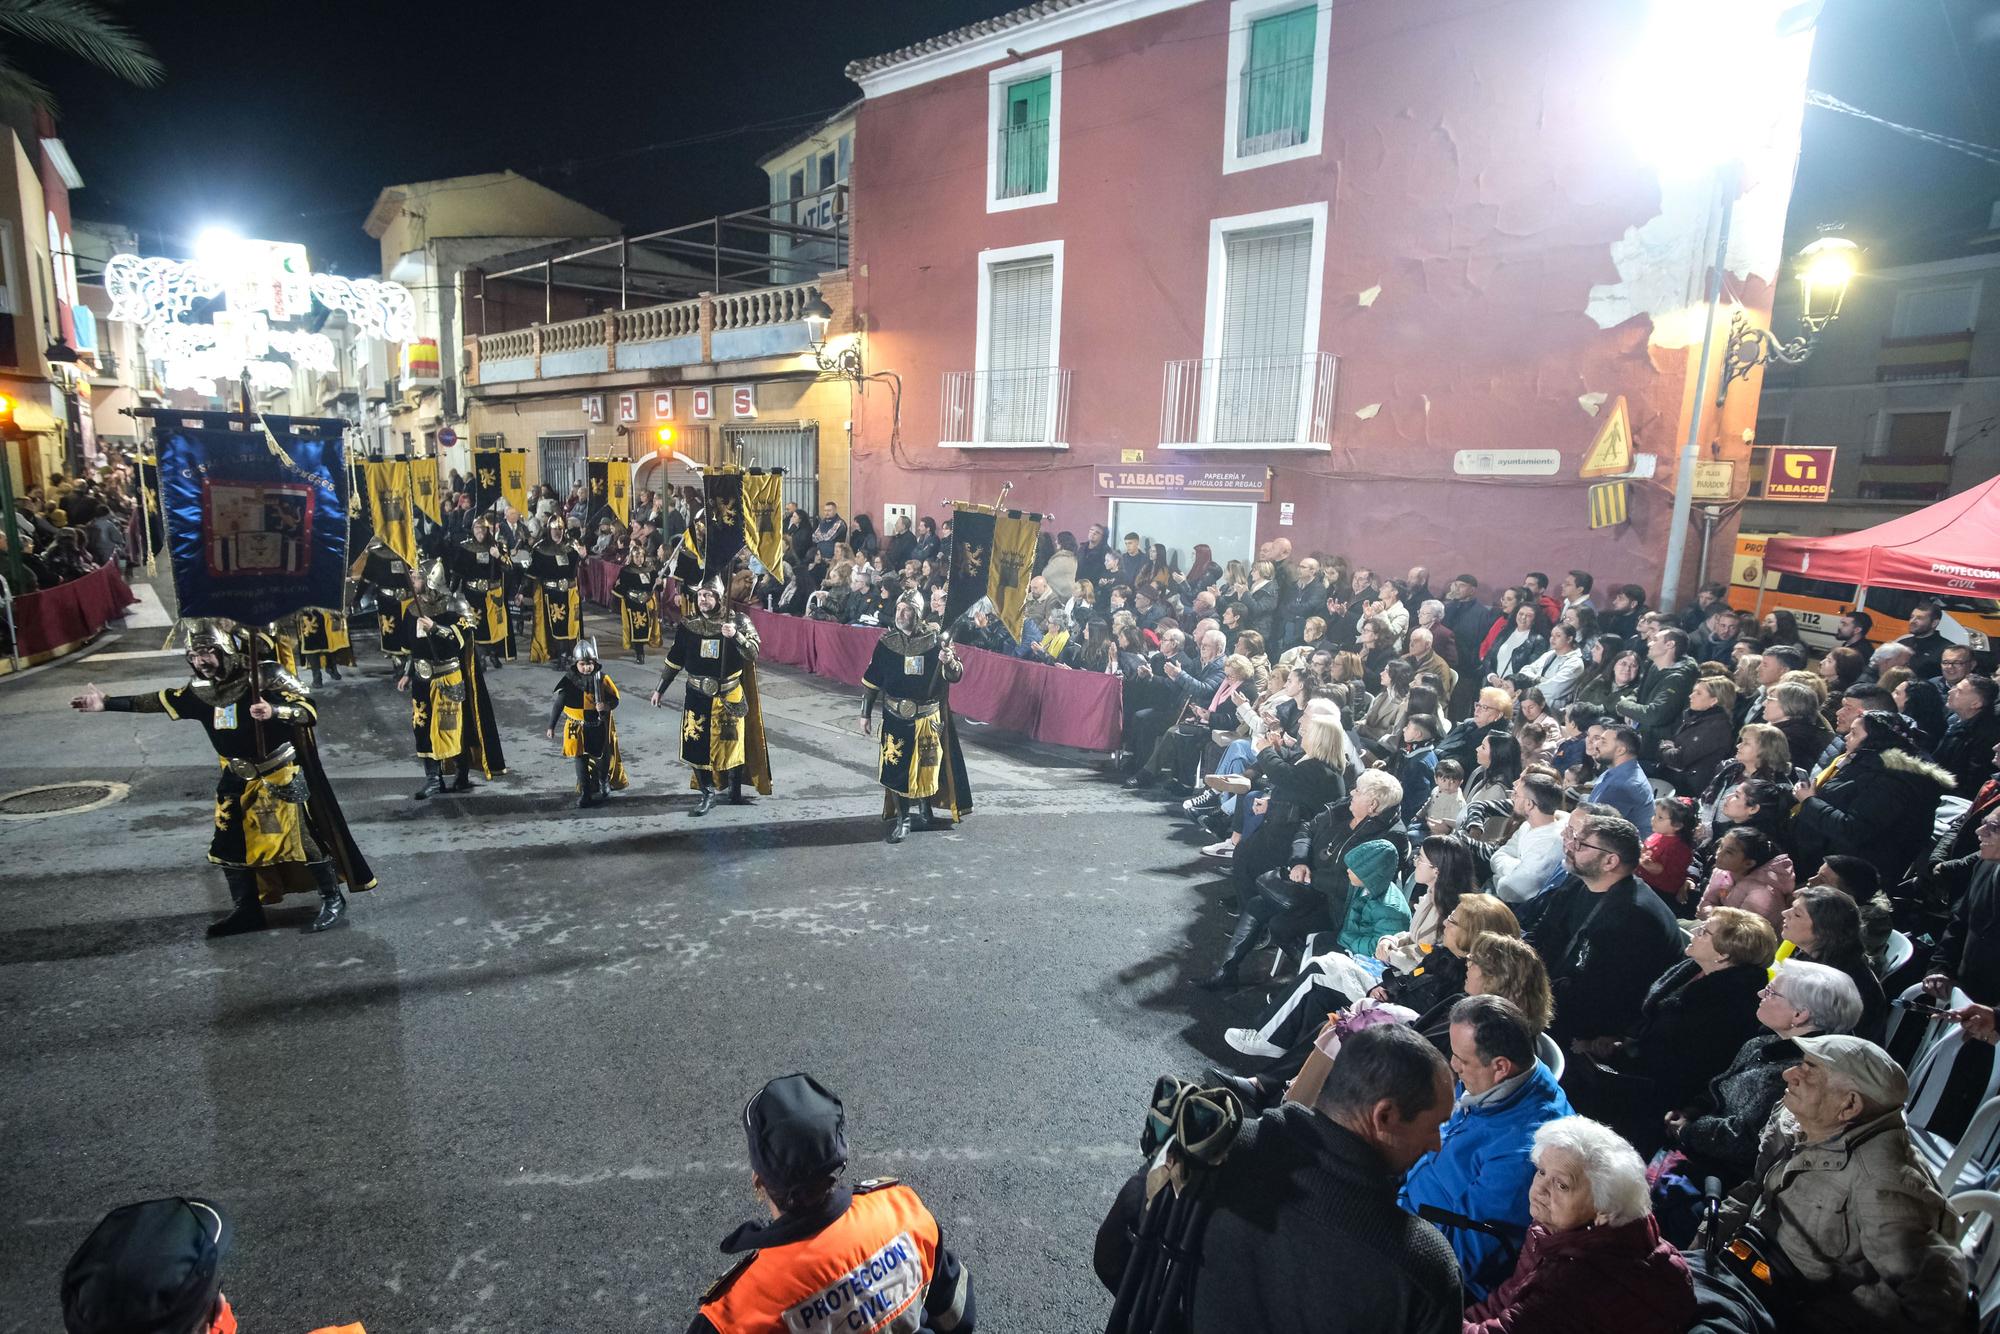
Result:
{"points": [[1631, 877], [71, 525]]}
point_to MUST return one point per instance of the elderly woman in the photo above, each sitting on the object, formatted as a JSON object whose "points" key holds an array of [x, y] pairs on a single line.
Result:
{"points": [[1290, 786], [1691, 1025], [1793, 707], [1719, 1132], [1823, 925], [1879, 802], [1594, 1257]]}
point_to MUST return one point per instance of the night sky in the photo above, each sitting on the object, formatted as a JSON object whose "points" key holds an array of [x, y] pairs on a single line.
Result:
{"points": [[284, 119]]}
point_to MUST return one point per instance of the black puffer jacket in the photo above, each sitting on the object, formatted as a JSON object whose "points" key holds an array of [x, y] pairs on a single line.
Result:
{"points": [[1721, 1133], [1326, 840], [1881, 806]]}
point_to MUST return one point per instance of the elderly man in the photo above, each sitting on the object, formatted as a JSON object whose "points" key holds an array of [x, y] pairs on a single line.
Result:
{"points": [[1431, 616], [1302, 1232], [1423, 656], [1482, 1168], [1605, 935], [1656, 707], [1179, 688], [1490, 717], [1304, 598], [1842, 1209], [1887, 658]]}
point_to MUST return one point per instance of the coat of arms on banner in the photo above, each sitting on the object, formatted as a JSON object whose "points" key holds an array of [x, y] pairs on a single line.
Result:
{"points": [[255, 529]]}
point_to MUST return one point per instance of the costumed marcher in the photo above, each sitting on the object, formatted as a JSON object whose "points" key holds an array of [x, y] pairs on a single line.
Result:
{"points": [[722, 730], [323, 643], [388, 574], [867, 1257], [451, 718], [636, 610], [284, 634], [584, 699], [479, 573], [921, 763], [558, 603], [278, 829]]}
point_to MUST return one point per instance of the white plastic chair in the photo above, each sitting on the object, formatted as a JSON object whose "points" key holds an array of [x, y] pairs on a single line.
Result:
{"points": [[1913, 1032], [1972, 1161], [1901, 950], [1550, 1053], [1951, 1087], [1978, 1211]]}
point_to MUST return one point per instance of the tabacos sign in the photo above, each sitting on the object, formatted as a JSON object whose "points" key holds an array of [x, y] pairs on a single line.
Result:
{"points": [[1799, 473]]}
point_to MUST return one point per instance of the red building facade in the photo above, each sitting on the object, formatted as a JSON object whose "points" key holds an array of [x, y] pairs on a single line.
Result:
{"points": [[1377, 248]]}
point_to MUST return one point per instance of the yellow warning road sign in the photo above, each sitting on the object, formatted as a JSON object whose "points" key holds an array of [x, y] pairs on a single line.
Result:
{"points": [[1607, 504], [1611, 452]]}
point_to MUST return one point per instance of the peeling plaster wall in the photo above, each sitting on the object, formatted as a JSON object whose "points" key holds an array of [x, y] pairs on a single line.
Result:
{"points": [[1496, 260]]}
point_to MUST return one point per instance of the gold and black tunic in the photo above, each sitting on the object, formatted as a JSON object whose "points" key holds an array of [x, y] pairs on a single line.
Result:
{"points": [[275, 812], [558, 604], [722, 722], [920, 757], [637, 612], [451, 716], [479, 573], [589, 735], [323, 639], [389, 575]]}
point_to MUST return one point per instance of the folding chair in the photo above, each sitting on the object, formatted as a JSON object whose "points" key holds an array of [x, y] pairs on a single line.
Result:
{"points": [[1950, 1088]]}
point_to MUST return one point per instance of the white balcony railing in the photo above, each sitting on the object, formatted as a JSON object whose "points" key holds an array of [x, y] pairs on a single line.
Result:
{"points": [[1015, 408], [573, 335], [766, 305], [652, 323], [758, 308], [499, 347], [1283, 402]]}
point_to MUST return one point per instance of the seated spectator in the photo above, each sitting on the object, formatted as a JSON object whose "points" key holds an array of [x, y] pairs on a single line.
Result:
{"points": [[1443, 872], [1655, 707], [1517, 646], [1719, 1132], [1482, 1167], [1521, 865], [1375, 903], [1489, 791], [1750, 873], [1594, 1257], [1823, 925], [1491, 713], [1879, 802], [1180, 748], [1843, 1209], [1271, 1227], [1664, 861], [1694, 1020], [1704, 737], [1445, 804], [1966, 751], [1794, 709], [1968, 954], [1623, 785], [1292, 786], [1385, 715], [1604, 934], [1557, 672], [1858, 881]]}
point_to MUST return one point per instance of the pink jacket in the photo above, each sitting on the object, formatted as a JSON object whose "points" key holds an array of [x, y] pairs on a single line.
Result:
{"points": [[1766, 891]]}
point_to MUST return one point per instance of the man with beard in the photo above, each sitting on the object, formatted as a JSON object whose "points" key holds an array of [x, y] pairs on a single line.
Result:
{"points": [[277, 826], [584, 699], [722, 730], [558, 605], [912, 672], [451, 718], [480, 572]]}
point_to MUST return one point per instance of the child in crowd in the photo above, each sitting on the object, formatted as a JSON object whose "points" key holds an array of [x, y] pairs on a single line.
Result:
{"points": [[1447, 801], [1663, 863]]}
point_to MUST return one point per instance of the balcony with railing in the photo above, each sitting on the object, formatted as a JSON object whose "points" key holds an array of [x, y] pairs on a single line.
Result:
{"points": [[1269, 402], [1021, 160], [1010, 409], [1276, 106]]}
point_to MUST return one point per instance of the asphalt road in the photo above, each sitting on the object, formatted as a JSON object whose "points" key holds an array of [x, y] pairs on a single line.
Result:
{"points": [[506, 1095]]}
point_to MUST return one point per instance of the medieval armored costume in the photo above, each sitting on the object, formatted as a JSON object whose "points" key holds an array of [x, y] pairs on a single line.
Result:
{"points": [[479, 573], [451, 719], [558, 604], [637, 612], [722, 727], [323, 643], [277, 827], [912, 671], [584, 699], [381, 569]]}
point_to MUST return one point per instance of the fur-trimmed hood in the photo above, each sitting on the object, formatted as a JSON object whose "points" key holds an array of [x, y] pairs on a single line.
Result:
{"points": [[1903, 762]]}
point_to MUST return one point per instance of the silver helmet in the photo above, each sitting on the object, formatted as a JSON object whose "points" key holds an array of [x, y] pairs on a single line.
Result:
{"points": [[585, 650]]}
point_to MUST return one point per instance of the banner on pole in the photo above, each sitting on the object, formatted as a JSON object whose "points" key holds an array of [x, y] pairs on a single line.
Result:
{"points": [[485, 480], [514, 479], [971, 560], [722, 491], [763, 523], [256, 518], [1014, 538], [618, 477]]}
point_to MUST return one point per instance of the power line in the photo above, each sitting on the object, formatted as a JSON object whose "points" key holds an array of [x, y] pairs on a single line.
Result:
{"points": [[1984, 152]]}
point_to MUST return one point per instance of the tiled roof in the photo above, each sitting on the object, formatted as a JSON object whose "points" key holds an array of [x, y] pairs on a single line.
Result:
{"points": [[1014, 18]]}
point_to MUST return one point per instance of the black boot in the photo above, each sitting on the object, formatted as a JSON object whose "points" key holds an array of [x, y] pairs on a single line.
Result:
{"points": [[433, 781], [736, 797], [332, 903], [707, 802], [493, 662], [586, 784], [1241, 941], [642, 654], [901, 828], [317, 682], [333, 670], [248, 914], [1255, 1097], [464, 781]]}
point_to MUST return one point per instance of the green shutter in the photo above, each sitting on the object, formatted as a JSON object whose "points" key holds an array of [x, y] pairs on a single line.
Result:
{"points": [[1276, 100], [1024, 139]]}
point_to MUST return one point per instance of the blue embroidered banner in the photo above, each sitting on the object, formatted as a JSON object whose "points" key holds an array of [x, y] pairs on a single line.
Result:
{"points": [[256, 514]]}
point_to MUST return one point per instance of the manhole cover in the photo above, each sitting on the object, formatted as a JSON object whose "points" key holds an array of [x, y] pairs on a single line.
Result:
{"points": [[36, 803]]}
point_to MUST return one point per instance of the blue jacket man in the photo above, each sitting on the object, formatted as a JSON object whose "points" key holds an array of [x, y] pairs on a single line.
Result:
{"points": [[1481, 1168], [1623, 785]]}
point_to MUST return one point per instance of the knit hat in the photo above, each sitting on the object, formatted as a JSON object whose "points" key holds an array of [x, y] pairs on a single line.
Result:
{"points": [[1375, 862]]}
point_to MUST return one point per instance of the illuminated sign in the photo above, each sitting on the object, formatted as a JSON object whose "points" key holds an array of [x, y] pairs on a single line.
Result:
{"points": [[1799, 473]]}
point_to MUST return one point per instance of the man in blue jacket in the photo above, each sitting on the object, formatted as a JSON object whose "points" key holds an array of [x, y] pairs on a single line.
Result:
{"points": [[1623, 785], [1481, 1169]]}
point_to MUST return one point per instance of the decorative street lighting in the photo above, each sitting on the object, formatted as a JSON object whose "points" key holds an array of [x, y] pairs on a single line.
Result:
{"points": [[845, 362], [1826, 268]]}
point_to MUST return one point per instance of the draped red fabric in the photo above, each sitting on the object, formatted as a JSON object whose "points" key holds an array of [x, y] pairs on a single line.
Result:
{"points": [[1052, 704], [597, 577], [71, 612]]}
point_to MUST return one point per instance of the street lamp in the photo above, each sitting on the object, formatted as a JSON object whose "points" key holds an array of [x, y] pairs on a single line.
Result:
{"points": [[847, 361], [1826, 268]]}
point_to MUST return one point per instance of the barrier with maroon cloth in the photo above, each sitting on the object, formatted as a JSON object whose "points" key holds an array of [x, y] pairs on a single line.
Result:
{"points": [[596, 578], [1053, 704], [70, 613]]}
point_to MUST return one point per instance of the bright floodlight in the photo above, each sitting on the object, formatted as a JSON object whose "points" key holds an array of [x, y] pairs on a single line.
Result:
{"points": [[1699, 91], [215, 245]]}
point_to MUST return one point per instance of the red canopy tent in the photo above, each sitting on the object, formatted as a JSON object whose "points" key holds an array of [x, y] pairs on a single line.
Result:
{"points": [[1950, 547]]}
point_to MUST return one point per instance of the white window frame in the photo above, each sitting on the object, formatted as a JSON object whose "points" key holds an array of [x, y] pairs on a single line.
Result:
{"points": [[1242, 13], [987, 259], [1975, 286], [997, 83], [1219, 231]]}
